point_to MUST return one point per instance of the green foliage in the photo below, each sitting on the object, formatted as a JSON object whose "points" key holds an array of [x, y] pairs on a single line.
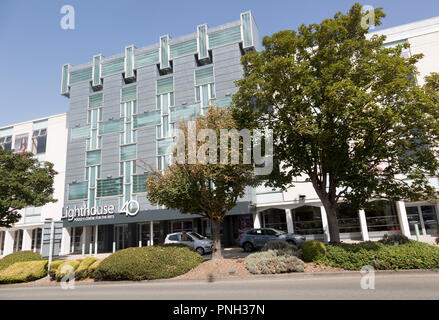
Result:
{"points": [[345, 112], [93, 267], [394, 239], [24, 271], [18, 257], [282, 247], [83, 270], [410, 255], [53, 267], [313, 250], [146, 263], [64, 270], [23, 182], [273, 261]]}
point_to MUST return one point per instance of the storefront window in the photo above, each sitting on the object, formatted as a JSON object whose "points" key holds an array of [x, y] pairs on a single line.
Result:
{"points": [[181, 225], [36, 239], [307, 220], [18, 240], [425, 217], [77, 233], [382, 217], [144, 234], [348, 219], [274, 218]]}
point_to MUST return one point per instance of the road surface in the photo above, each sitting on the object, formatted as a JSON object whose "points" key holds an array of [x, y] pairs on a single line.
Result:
{"points": [[401, 285]]}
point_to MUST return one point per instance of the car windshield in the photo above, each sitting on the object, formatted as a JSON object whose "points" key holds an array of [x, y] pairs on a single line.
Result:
{"points": [[279, 231], [196, 235]]}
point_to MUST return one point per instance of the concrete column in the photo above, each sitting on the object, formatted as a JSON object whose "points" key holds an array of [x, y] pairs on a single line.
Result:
{"points": [[84, 230], [325, 224], [9, 242], [151, 233], [289, 217], [41, 242], [66, 240], [402, 218], [72, 239], [1, 242], [257, 220], [27, 240], [363, 225], [34, 239], [96, 239]]}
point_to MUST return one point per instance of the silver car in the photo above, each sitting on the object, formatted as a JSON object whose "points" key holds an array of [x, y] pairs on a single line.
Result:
{"points": [[256, 238], [192, 239]]}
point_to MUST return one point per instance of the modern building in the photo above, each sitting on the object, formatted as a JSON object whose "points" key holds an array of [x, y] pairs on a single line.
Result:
{"points": [[46, 138], [299, 209], [123, 110]]}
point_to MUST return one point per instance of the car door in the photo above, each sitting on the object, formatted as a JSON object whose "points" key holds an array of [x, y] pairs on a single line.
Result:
{"points": [[258, 238], [269, 235], [187, 240]]}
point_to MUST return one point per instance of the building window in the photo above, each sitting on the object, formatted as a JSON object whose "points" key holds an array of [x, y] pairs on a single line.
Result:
{"points": [[348, 219], [381, 216], [21, 143], [6, 143], [307, 220], [39, 139]]}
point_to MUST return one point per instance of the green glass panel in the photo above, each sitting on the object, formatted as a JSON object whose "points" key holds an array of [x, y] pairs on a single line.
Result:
{"points": [[147, 119], [183, 48], [94, 139], [139, 183], [92, 198], [223, 102], [111, 126], [163, 145], [95, 100], [128, 94], [128, 152], [97, 70], [80, 75], [165, 126], [224, 37], [113, 67], [129, 62], [65, 77], [78, 190], [109, 187], [203, 76], [185, 112], [165, 108], [165, 85], [205, 95], [79, 133], [93, 157], [164, 56], [202, 42], [146, 59], [247, 30], [128, 172]]}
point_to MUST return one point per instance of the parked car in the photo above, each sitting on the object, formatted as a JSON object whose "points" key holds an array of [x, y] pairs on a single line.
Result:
{"points": [[192, 239], [256, 238]]}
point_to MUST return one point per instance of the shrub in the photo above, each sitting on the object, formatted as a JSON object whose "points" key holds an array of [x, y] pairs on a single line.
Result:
{"points": [[282, 247], [53, 267], [313, 250], [153, 262], [64, 271], [272, 261], [394, 239], [83, 270], [24, 271], [93, 267], [18, 257], [411, 255]]}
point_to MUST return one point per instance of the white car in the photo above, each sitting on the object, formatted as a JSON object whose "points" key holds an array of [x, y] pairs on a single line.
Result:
{"points": [[192, 239]]}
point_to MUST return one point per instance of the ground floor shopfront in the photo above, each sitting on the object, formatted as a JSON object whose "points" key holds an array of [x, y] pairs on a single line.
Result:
{"points": [[20, 239]]}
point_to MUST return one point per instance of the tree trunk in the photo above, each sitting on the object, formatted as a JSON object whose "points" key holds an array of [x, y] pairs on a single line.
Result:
{"points": [[331, 213], [216, 250]]}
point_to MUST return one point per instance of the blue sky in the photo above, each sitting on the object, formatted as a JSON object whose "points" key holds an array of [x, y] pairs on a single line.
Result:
{"points": [[33, 46]]}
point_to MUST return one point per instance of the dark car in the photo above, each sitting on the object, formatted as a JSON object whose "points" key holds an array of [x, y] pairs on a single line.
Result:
{"points": [[256, 238]]}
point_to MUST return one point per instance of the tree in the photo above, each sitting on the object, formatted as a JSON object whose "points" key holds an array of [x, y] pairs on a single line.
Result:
{"points": [[345, 112], [23, 182], [210, 189]]}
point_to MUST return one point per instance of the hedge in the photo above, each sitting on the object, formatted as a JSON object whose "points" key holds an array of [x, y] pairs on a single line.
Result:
{"points": [[273, 261], [24, 271], [144, 263], [53, 267], [282, 247], [313, 250], [83, 270], [92, 268], [19, 256], [63, 271], [411, 255]]}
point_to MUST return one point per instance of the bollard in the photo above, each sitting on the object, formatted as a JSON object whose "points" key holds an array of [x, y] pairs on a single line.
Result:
{"points": [[114, 247]]}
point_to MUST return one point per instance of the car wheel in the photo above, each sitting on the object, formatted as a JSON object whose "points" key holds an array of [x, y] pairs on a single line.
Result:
{"points": [[248, 247], [200, 251]]}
